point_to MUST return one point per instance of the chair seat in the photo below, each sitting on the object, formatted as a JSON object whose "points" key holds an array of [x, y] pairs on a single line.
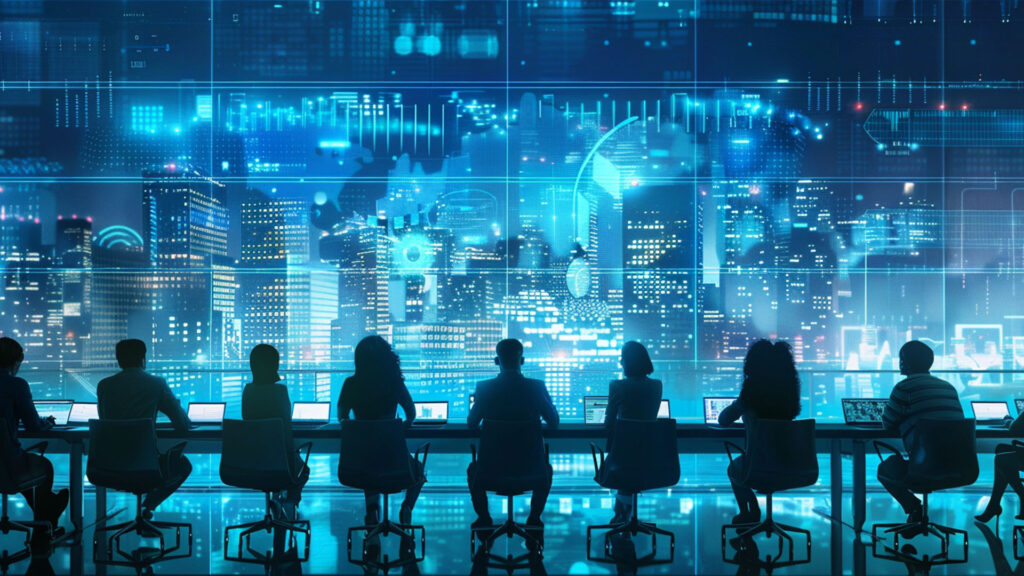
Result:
{"points": [[633, 481], [125, 481], [510, 485], [263, 481], [389, 483], [781, 481], [923, 484]]}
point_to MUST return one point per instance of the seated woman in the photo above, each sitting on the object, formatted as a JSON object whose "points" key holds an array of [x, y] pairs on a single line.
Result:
{"points": [[1008, 464], [375, 392], [265, 397], [771, 389], [635, 397]]}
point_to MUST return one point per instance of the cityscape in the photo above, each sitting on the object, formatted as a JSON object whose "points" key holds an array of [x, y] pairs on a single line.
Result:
{"points": [[208, 176]]}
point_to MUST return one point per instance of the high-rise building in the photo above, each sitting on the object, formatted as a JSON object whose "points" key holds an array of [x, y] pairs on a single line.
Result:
{"points": [[73, 254], [30, 299], [122, 297]]}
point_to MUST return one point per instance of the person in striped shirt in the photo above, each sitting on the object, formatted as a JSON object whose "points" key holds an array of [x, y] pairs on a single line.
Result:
{"points": [[918, 396]]}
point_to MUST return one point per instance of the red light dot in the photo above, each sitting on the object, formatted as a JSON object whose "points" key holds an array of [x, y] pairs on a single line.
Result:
{"points": [[963, 106], [942, 106], [859, 106]]}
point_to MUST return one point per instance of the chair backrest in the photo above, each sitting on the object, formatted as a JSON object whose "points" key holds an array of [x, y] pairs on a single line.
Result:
{"points": [[643, 456], [10, 462], [374, 456], [255, 455], [511, 457], [123, 455], [780, 455], [945, 456]]}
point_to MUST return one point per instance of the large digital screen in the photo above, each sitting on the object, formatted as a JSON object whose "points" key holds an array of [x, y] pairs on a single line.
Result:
{"points": [[690, 174]]}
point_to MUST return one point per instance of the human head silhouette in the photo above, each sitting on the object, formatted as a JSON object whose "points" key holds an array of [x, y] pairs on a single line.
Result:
{"points": [[916, 358], [131, 353], [377, 360], [636, 362], [509, 354], [11, 355], [264, 360]]}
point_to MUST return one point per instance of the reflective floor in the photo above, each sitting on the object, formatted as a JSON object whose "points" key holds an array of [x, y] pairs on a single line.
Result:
{"points": [[694, 517]]}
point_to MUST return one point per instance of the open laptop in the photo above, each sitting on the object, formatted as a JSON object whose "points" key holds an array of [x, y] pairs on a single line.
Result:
{"points": [[206, 413], [59, 409], [990, 413], [431, 413], [82, 412], [311, 413], [864, 411], [594, 408], [664, 411], [713, 406], [1018, 403]]}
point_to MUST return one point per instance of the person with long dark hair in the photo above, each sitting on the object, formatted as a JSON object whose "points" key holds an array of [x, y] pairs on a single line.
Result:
{"points": [[771, 389], [375, 392], [637, 397]]}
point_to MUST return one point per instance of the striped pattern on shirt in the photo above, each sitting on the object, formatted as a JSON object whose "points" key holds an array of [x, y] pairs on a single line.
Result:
{"points": [[920, 396]]}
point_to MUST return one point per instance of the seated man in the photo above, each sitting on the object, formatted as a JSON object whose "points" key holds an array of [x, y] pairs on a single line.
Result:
{"points": [[131, 394], [510, 396], [16, 405], [919, 396]]}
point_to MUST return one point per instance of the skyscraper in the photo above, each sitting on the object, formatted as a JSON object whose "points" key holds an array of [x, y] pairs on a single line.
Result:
{"points": [[73, 253]]}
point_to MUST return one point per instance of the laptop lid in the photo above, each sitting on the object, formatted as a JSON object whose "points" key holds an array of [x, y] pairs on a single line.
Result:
{"points": [[316, 412], [1019, 405], [663, 409], [427, 412], [82, 412], [863, 411], [990, 410], [59, 409], [206, 412], [594, 408], [713, 406]]}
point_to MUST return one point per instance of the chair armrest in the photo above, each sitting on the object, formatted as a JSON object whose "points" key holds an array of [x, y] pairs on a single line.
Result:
{"points": [[309, 448], [878, 449], [730, 447], [594, 450], [39, 448], [1017, 444], [472, 452], [426, 451]]}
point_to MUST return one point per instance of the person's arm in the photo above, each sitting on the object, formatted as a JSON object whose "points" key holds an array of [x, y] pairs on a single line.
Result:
{"points": [[408, 406], [476, 413], [25, 409], [895, 411], [611, 413], [547, 407], [1017, 427], [344, 406], [171, 407], [732, 413]]}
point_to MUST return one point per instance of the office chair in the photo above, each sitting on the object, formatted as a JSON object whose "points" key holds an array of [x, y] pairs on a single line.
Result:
{"points": [[512, 459], [12, 483], [780, 456], [123, 456], [374, 457], [945, 457], [643, 457], [255, 457]]}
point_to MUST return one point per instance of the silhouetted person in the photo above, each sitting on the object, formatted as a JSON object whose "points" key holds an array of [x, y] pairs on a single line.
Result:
{"points": [[919, 395], [133, 394], [1007, 466], [510, 397], [636, 397], [771, 390], [265, 398], [16, 405], [375, 392]]}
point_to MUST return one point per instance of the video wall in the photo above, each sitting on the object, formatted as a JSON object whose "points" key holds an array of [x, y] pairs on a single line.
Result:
{"points": [[693, 175]]}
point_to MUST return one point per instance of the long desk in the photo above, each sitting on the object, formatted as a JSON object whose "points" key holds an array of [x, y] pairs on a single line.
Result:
{"points": [[836, 440]]}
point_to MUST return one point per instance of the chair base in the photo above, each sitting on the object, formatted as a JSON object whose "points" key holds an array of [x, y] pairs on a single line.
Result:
{"points": [[270, 525], [909, 531], [143, 556], [489, 536], [631, 527], [745, 533], [1018, 536], [383, 563]]}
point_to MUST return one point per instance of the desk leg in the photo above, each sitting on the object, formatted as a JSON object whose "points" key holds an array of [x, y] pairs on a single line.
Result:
{"points": [[860, 500], [75, 510], [100, 545], [836, 485]]}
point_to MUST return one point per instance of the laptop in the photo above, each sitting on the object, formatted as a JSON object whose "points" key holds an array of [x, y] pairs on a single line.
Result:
{"points": [[663, 409], [59, 409], [1019, 405], [431, 413], [82, 412], [206, 413], [990, 413], [311, 413], [594, 408], [713, 406], [864, 411]]}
